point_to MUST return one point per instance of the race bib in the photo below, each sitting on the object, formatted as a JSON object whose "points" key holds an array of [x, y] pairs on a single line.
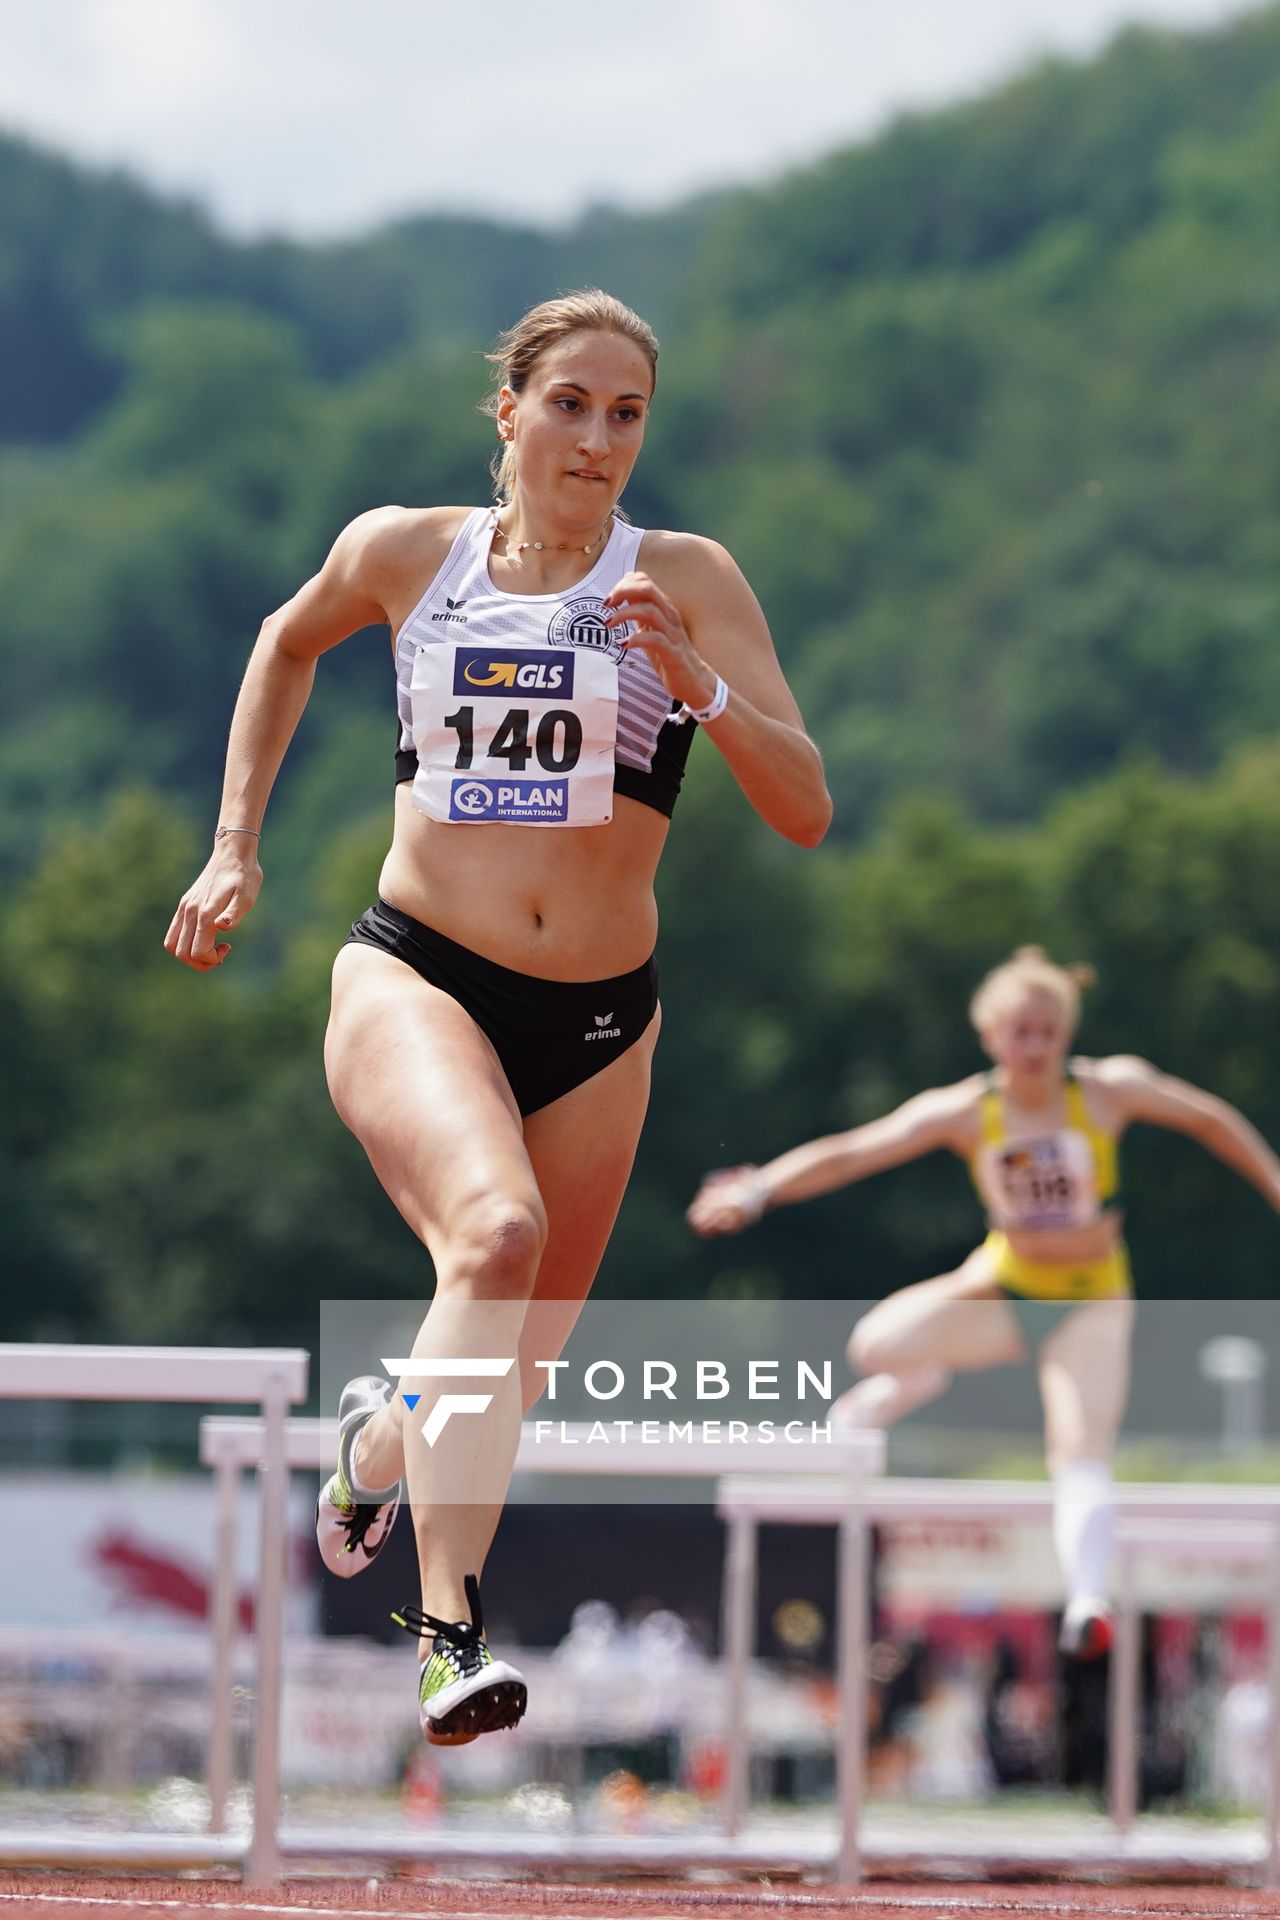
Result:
{"points": [[521, 735], [1044, 1183]]}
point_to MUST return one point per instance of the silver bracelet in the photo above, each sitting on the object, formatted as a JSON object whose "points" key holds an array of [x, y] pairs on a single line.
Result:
{"points": [[712, 711], [220, 833]]}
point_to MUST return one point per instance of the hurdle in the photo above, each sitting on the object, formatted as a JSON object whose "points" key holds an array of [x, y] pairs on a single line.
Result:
{"points": [[274, 1379], [1245, 1541], [1204, 1520], [229, 1444]]}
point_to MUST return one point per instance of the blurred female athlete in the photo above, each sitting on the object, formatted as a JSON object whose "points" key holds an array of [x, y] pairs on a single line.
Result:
{"points": [[495, 1013], [1052, 1279]]}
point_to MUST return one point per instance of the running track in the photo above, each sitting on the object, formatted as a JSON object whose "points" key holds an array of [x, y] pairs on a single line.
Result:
{"points": [[80, 1897]]}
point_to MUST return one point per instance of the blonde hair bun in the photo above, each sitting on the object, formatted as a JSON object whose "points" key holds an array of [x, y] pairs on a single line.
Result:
{"points": [[1030, 970]]}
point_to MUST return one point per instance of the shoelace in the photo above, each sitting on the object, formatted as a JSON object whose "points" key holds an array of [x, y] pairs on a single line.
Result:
{"points": [[356, 1525], [463, 1637]]}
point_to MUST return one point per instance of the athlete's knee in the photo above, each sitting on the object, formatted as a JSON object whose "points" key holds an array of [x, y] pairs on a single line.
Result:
{"points": [[494, 1246]]}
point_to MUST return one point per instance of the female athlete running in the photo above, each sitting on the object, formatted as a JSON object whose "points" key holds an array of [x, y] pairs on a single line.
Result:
{"points": [[495, 1013], [1051, 1278]]}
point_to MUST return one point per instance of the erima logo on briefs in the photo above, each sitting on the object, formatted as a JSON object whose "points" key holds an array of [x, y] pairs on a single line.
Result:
{"points": [[447, 1404], [531, 670], [530, 801], [603, 1031], [453, 613]]}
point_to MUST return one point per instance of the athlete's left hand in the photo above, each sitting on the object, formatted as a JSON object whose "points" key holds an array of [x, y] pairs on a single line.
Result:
{"points": [[660, 633], [726, 1202]]}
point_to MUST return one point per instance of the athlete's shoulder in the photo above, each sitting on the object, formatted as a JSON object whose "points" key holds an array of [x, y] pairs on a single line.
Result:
{"points": [[963, 1095], [1115, 1071], [391, 552], [702, 577], [693, 552], [385, 532], [952, 1111], [1116, 1087]]}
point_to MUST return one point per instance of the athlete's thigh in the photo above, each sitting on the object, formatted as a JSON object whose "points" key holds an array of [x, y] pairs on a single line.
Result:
{"points": [[421, 1088], [1084, 1378], [956, 1320], [582, 1148]]}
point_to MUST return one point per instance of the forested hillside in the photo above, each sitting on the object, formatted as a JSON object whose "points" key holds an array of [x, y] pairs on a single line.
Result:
{"points": [[989, 411]]}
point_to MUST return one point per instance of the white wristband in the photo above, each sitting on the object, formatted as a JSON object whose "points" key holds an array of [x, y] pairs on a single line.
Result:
{"points": [[712, 711], [753, 1195]]}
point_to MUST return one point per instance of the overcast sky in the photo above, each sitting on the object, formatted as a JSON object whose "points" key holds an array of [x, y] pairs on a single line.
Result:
{"points": [[326, 117]]}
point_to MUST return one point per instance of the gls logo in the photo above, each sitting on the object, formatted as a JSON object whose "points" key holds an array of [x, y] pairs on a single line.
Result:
{"points": [[447, 1404], [508, 673], [500, 671]]}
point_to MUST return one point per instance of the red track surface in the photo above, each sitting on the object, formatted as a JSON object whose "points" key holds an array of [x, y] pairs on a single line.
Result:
{"points": [[56, 1896]]}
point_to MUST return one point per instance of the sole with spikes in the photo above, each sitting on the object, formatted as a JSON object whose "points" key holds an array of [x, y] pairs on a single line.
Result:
{"points": [[493, 1709]]}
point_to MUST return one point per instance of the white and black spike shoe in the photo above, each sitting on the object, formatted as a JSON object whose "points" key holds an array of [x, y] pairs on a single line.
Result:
{"points": [[462, 1690], [352, 1520]]}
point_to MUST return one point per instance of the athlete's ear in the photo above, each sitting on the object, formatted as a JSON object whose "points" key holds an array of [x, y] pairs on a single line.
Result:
{"points": [[506, 414]]}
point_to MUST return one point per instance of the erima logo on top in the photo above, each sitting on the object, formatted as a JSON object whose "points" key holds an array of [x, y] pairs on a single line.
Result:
{"points": [[453, 613], [494, 671]]}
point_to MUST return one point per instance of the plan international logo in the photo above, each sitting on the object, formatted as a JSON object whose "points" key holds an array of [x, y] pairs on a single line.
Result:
{"points": [[542, 800]]}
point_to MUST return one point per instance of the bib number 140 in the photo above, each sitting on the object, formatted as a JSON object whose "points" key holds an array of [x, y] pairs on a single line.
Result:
{"points": [[557, 739]]}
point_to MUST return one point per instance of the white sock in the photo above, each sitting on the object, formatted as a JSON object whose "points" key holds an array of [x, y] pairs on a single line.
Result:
{"points": [[882, 1398], [1082, 1525]]}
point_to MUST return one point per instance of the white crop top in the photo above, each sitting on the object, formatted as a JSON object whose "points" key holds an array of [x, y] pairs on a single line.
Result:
{"points": [[522, 707]]}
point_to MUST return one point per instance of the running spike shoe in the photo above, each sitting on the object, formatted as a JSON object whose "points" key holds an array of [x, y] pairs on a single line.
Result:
{"points": [[1087, 1630], [352, 1520], [462, 1690]]}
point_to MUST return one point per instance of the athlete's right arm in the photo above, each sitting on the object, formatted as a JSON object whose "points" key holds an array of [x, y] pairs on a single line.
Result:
{"points": [[348, 593], [729, 1201]]}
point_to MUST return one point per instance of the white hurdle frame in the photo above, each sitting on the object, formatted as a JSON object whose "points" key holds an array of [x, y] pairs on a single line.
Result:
{"points": [[1207, 1520], [1204, 1519], [274, 1379], [230, 1443]]}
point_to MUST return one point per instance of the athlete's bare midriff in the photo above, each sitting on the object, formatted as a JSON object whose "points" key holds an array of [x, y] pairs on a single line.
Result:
{"points": [[563, 903]]}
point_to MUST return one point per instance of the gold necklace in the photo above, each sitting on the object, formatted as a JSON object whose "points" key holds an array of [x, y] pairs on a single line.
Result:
{"points": [[542, 546]]}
